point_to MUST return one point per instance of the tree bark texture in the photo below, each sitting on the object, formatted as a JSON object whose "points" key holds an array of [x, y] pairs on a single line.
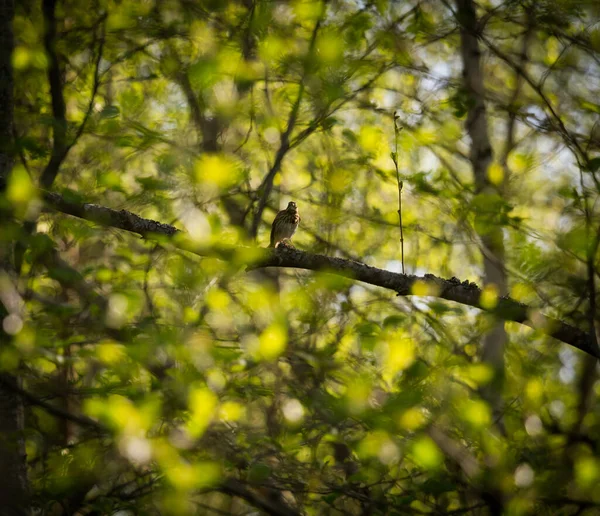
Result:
{"points": [[14, 487], [481, 156], [463, 292]]}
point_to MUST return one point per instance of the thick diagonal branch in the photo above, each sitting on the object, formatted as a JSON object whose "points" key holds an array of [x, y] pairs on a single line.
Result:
{"points": [[464, 292]]}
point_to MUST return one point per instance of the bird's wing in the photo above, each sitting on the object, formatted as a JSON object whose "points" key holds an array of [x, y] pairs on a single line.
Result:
{"points": [[275, 220], [278, 217]]}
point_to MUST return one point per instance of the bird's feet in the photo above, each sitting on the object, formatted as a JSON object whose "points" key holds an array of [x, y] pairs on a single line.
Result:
{"points": [[287, 243]]}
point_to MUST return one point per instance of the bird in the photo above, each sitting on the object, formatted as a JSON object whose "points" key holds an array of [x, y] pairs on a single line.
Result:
{"points": [[285, 224]]}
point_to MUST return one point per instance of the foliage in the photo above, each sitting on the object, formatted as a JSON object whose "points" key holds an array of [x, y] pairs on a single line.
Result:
{"points": [[185, 384]]}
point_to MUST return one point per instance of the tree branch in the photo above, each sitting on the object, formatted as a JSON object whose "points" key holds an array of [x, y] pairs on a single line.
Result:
{"points": [[83, 421], [59, 144], [95, 84], [284, 146], [274, 508], [455, 451], [569, 139], [453, 289]]}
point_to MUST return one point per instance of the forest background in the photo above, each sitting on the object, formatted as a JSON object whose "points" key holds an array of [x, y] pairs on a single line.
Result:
{"points": [[157, 358]]}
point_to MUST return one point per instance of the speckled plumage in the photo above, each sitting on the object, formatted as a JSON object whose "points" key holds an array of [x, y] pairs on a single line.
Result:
{"points": [[285, 224]]}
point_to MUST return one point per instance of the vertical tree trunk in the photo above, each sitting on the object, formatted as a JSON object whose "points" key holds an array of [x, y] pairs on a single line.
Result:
{"points": [[481, 157], [7, 9], [14, 488]]}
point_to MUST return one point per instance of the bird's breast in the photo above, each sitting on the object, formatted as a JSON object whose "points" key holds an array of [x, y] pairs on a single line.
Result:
{"points": [[288, 229]]}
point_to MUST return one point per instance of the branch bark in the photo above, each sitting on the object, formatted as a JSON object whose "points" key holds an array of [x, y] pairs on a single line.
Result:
{"points": [[463, 292], [236, 488]]}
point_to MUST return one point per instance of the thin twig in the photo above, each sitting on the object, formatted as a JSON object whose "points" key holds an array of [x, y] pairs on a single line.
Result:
{"points": [[284, 146], [400, 186], [95, 84]]}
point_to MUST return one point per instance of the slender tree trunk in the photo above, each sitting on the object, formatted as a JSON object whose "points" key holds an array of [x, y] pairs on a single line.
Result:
{"points": [[14, 488], [481, 156], [7, 9]]}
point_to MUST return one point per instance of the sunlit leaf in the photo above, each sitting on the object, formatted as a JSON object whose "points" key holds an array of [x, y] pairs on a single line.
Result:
{"points": [[272, 342], [202, 404], [426, 454]]}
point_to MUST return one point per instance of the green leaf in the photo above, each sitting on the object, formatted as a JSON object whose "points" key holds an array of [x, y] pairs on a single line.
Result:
{"points": [[393, 321], [593, 165], [110, 112], [152, 183], [367, 329], [437, 487], [403, 400], [259, 473], [203, 73], [330, 498]]}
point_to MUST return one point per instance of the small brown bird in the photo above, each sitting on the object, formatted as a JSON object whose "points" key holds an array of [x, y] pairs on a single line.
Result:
{"points": [[285, 224]]}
